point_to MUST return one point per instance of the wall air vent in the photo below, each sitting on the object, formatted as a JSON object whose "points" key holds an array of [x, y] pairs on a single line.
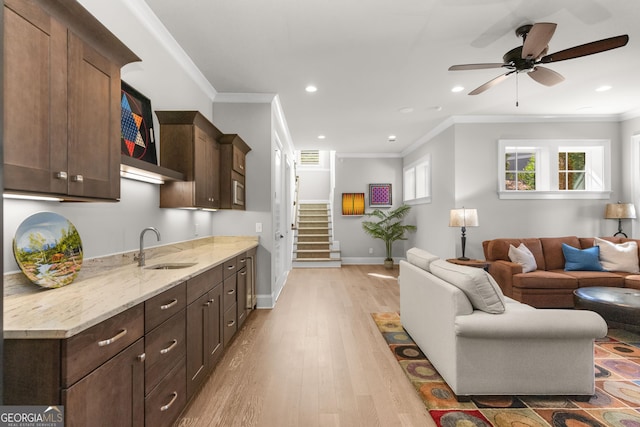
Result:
{"points": [[310, 157]]}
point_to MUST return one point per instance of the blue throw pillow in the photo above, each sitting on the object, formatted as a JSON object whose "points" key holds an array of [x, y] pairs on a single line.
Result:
{"points": [[581, 259]]}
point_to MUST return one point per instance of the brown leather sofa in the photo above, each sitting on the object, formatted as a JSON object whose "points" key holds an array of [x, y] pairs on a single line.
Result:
{"points": [[550, 286]]}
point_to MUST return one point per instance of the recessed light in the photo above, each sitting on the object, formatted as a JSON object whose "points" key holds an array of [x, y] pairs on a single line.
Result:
{"points": [[457, 89], [311, 89], [603, 88], [321, 137], [406, 110], [392, 138]]}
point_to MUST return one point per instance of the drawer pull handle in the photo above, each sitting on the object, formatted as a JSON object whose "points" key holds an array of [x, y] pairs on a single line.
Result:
{"points": [[77, 178], [243, 260], [168, 405], [112, 339], [231, 267], [168, 349], [231, 323], [211, 301], [141, 357], [61, 175], [168, 306], [231, 291], [243, 273], [207, 304]]}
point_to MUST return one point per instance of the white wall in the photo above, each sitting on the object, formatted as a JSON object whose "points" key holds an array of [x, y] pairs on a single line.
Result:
{"points": [[111, 228], [465, 164], [315, 180], [252, 121], [432, 219], [630, 167], [353, 175]]}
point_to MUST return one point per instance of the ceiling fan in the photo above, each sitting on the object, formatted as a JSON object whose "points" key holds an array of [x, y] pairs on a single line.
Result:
{"points": [[526, 58]]}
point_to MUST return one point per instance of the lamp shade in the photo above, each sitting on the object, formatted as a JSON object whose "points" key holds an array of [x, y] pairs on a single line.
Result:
{"points": [[620, 211], [463, 218]]}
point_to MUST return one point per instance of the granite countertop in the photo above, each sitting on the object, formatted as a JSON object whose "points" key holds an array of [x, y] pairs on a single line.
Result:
{"points": [[106, 287]]}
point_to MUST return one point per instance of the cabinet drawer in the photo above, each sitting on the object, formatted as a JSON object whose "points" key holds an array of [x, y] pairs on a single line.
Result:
{"points": [[229, 292], [230, 324], [242, 261], [202, 283], [164, 346], [165, 403], [163, 306], [87, 350], [230, 267]]}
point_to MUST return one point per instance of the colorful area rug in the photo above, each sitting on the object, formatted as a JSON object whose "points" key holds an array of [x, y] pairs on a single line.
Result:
{"points": [[616, 402]]}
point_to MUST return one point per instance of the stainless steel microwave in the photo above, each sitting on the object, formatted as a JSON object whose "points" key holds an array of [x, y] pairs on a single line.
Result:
{"points": [[238, 193]]}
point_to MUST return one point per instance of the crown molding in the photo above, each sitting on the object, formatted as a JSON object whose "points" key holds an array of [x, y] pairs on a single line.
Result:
{"points": [[466, 119], [145, 16], [245, 98], [369, 155]]}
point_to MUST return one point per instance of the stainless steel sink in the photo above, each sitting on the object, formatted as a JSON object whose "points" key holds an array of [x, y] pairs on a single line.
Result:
{"points": [[171, 266]]}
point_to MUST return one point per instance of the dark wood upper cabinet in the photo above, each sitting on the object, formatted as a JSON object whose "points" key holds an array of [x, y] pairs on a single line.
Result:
{"points": [[233, 151], [62, 101], [189, 145]]}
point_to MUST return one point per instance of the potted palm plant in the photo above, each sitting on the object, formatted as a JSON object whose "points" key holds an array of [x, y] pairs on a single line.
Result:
{"points": [[388, 228]]}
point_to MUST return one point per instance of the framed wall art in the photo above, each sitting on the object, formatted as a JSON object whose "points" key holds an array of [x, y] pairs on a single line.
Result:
{"points": [[379, 195], [137, 139], [352, 204]]}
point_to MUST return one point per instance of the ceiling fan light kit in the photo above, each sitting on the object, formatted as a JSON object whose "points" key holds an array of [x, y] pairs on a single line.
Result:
{"points": [[533, 52]]}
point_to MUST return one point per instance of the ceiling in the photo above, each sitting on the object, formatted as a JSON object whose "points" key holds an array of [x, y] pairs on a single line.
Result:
{"points": [[381, 66]]}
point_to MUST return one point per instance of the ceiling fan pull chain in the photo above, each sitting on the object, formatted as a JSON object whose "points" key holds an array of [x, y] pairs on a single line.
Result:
{"points": [[517, 94]]}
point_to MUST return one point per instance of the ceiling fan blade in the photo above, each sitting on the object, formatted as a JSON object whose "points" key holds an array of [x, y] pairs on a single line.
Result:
{"points": [[586, 49], [545, 76], [475, 66], [490, 83], [537, 39]]}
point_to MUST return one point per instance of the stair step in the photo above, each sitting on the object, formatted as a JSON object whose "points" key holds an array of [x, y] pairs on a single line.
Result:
{"points": [[312, 230], [313, 246], [314, 239], [310, 238], [317, 263]]}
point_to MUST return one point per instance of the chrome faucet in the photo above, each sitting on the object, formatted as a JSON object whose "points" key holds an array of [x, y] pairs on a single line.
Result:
{"points": [[140, 256]]}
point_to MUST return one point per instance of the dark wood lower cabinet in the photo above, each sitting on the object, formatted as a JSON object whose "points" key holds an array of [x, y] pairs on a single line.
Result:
{"points": [[165, 403], [111, 395], [204, 337], [138, 368]]}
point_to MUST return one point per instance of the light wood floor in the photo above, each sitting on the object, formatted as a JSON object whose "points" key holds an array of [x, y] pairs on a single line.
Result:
{"points": [[316, 359]]}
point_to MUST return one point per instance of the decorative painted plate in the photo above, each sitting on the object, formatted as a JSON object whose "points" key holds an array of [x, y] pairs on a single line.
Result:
{"points": [[48, 249]]}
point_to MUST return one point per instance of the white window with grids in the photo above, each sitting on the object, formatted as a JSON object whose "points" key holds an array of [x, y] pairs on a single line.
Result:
{"points": [[417, 181], [554, 169]]}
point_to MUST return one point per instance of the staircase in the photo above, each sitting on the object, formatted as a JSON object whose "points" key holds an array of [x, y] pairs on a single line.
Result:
{"points": [[313, 245]]}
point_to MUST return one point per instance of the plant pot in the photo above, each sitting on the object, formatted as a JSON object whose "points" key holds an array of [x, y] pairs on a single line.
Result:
{"points": [[388, 263]]}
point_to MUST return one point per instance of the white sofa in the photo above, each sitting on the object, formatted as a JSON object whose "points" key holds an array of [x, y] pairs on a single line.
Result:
{"points": [[483, 343]]}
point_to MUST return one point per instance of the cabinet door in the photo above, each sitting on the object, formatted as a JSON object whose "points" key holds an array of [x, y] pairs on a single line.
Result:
{"points": [[238, 160], [111, 395], [94, 122], [241, 289], [207, 159], [35, 99], [196, 344], [214, 324]]}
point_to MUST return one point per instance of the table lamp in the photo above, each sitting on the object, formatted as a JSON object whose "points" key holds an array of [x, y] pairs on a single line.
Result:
{"points": [[463, 218], [620, 211]]}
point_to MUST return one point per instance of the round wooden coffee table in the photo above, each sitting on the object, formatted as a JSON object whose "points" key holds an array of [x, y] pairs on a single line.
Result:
{"points": [[620, 307]]}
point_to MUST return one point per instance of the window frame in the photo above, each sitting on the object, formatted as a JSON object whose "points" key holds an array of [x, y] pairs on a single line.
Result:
{"points": [[419, 168], [547, 170]]}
